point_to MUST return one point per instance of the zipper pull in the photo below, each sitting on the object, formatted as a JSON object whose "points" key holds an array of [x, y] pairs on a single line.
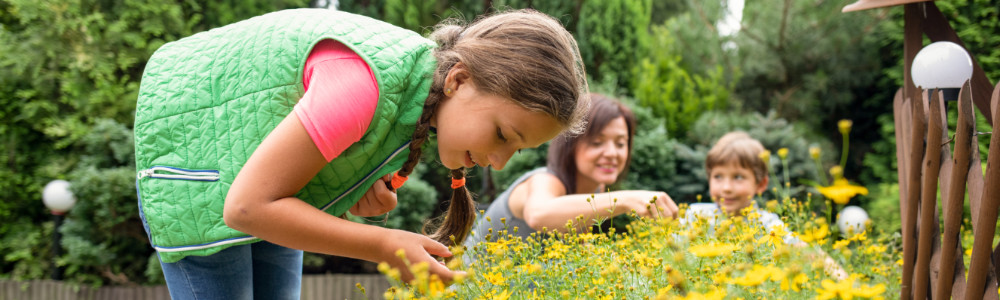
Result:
{"points": [[143, 174]]}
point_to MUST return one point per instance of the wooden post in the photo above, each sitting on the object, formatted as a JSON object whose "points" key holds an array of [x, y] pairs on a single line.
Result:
{"points": [[912, 42], [956, 194], [985, 229], [928, 203]]}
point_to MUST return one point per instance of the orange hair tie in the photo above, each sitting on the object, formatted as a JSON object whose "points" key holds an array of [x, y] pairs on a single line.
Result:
{"points": [[457, 183], [397, 181]]}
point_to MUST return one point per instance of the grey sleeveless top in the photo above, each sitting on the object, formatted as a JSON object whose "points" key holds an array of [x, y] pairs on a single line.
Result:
{"points": [[499, 209]]}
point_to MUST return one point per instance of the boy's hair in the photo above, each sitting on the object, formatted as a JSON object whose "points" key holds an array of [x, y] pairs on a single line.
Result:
{"points": [[739, 148], [561, 158], [522, 55]]}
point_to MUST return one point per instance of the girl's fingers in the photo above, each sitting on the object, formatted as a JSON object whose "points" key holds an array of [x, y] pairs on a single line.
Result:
{"points": [[435, 248]]}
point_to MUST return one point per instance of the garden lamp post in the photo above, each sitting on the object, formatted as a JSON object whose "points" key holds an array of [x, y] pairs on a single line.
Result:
{"points": [[942, 65], [59, 199], [852, 219]]}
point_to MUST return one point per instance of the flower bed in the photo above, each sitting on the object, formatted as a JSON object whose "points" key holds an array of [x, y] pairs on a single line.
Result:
{"points": [[665, 259]]}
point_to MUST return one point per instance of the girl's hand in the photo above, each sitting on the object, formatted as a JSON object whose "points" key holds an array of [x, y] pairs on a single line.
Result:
{"points": [[377, 200], [416, 248]]}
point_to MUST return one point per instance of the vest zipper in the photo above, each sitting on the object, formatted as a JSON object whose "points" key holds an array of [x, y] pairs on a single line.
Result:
{"points": [[178, 173]]}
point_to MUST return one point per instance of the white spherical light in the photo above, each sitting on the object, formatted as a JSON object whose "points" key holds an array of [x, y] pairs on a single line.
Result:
{"points": [[852, 219], [941, 65], [57, 196]]}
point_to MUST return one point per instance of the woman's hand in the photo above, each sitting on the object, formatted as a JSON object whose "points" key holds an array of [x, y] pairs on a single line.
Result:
{"points": [[379, 199], [644, 206], [416, 248]]}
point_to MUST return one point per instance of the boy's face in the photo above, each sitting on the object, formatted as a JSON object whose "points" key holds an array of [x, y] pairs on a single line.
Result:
{"points": [[733, 187]]}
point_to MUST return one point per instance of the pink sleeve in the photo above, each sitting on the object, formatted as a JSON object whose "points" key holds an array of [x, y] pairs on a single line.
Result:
{"points": [[340, 99]]}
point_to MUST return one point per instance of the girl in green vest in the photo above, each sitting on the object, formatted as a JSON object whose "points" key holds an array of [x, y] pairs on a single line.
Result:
{"points": [[252, 138]]}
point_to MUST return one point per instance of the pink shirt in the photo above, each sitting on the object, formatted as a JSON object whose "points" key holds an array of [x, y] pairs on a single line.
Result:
{"points": [[340, 99]]}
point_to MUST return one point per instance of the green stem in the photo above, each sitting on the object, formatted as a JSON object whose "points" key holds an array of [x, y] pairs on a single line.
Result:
{"points": [[843, 153], [829, 215], [787, 185], [822, 173]]}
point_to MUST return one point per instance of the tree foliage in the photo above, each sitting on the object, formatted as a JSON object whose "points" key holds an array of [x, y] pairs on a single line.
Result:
{"points": [[678, 97], [613, 37], [69, 76]]}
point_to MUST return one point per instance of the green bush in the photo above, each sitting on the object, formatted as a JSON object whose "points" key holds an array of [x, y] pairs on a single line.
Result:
{"points": [[69, 78], [675, 95], [564, 10], [613, 36]]}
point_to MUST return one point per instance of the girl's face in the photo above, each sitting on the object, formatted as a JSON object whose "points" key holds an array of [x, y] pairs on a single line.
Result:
{"points": [[476, 128], [733, 187], [601, 158]]}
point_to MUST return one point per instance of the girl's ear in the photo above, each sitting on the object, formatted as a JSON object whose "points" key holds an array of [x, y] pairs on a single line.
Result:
{"points": [[457, 76], [762, 185]]}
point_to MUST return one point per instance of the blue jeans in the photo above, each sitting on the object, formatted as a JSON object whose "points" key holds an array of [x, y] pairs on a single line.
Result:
{"points": [[260, 270]]}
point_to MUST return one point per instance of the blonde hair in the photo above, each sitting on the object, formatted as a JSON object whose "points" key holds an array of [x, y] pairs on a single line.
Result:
{"points": [[522, 55], [738, 147]]}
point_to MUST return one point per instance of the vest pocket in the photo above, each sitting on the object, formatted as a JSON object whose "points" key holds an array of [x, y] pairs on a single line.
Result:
{"points": [[178, 173]]}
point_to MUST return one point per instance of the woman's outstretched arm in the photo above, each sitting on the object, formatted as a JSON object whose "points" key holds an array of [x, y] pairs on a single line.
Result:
{"points": [[545, 204]]}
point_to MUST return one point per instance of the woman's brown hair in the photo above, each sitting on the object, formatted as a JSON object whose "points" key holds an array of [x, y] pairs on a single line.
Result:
{"points": [[521, 55], [561, 158]]}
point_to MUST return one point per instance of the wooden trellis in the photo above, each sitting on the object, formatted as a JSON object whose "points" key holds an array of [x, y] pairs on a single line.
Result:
{"points": [[932, 267]]}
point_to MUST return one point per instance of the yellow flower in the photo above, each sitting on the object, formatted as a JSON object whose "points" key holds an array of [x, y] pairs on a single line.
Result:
{"points": [[870, 291], [662, 292], [530, 269], [814, 152], [495, 278], [837, 172], [841, 191], [815, 234], [831, 290], [861, 237], [841, 244], [794, 283], [783, 153], [754, 277], [715, 294], [775, 237], [772, 205], [504, 295], [844, 126], [765, 156], [712, 249]]}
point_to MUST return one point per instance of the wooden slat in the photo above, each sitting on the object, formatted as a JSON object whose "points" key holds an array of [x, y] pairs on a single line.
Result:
{"points": [[955, 196], [944, 176], [975, 190], [928, 201], [901, 116], [984, 230], [912, 43]]}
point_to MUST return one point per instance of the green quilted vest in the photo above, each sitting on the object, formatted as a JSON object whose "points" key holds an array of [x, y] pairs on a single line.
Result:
{"points": [[208, 100]]}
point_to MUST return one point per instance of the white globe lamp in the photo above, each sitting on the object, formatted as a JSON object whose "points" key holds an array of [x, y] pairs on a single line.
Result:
{"points": [[852, 220], [942, 65], [57, 196]]}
